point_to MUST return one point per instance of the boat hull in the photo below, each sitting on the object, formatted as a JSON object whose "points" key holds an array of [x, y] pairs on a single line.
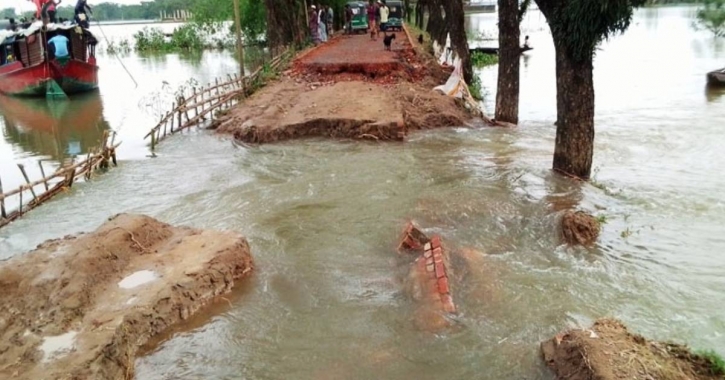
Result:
{"points": [[716, 78], [73, 77]]}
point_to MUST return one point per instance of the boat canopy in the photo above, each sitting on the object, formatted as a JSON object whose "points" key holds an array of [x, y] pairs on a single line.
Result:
{"points": [[35, 28]]}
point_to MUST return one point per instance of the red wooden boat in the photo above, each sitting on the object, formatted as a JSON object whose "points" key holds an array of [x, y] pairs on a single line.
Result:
{"points": [[27, 70]]}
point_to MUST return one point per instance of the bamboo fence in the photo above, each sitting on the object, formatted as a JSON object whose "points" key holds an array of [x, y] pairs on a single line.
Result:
{"points": [[205, 103], [62, 179]]}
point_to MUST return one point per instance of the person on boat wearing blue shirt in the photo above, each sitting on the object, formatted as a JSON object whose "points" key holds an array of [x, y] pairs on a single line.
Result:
{"points": [[58, 46]]}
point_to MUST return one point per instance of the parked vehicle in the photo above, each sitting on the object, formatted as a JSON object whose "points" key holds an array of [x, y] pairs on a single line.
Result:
{"points": [[359, 16], [397, 15]]}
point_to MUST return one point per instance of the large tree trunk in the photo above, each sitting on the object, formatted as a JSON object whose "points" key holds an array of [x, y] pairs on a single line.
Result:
{"points": [[419, 14], [509, 36], [456, 22], [575, 113], [437, 26], [285, 23]]}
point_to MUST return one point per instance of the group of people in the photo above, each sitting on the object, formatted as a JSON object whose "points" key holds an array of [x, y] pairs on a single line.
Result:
{"points": [[48, 9], [378, 14], [321, 23]]}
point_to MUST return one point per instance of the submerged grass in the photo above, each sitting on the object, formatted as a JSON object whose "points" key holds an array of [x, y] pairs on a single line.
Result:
{"points": [[479, 59]]}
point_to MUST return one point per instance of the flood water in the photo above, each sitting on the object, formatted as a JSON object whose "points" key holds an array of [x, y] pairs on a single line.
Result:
{"points": [[323, 218]]}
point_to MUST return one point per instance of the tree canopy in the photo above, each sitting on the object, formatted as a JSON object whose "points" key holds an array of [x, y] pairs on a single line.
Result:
{"points": [[712, 17], [581, 25]]}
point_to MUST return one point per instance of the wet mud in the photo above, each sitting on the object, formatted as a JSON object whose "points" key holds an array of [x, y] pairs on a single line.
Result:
{"points": [[80, 307], [608, 351]]}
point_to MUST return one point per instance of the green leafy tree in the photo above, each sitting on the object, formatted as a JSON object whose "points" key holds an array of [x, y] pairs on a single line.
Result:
{"points": [[7, 13], [577, 28], [712, 17], [211, 14]]}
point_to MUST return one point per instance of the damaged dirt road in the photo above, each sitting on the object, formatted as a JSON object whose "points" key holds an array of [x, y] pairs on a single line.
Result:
{"points": [[80, 307], [351, 87]]}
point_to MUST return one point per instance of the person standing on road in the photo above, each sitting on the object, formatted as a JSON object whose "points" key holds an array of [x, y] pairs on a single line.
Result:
{"points": [[314, 28], [384, 16], [321, 22], [348, 19], [372, 11], [330, 19]]}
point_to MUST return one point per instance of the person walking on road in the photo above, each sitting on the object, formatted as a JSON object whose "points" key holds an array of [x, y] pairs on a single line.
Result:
{"points": [[314, 27], [372, 12]]}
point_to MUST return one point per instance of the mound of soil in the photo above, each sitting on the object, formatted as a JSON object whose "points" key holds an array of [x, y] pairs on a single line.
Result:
{"points": [[291, 108], [608, 351], [349, 87], [79, 307], [579, 228]]}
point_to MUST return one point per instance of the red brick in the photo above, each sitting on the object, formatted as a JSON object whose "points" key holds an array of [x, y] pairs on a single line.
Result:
{"points": [[429, 261], [435, 241], [437, 259], [443, 285], [428, 254], [440, 270]]}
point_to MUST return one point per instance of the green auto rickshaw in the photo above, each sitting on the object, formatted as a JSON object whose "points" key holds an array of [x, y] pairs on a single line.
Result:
{"points": [[397, 14], [359, 16]]}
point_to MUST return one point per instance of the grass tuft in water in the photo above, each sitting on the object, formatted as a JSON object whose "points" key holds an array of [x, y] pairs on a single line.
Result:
{"points": [[479, 59]]}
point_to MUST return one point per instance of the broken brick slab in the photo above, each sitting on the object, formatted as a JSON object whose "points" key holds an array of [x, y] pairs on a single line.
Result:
{"points": [[413, 239], [428, 280]]}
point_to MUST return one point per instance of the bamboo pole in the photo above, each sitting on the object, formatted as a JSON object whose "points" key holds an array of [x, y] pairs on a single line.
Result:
{"points": [[2, 201], [27, 180], [180, 125], [42, 172], [196, 100], [210, 110]]}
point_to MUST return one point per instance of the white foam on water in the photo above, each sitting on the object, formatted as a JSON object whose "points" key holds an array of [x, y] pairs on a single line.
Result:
{"points": [[139, 278], [54, 346]]}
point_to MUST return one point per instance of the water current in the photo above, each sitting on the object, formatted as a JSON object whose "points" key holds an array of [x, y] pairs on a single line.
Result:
{"points": [[323, 217]]}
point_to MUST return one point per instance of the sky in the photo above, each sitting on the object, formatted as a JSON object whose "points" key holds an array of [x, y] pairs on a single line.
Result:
{"points": [[25, 5]]}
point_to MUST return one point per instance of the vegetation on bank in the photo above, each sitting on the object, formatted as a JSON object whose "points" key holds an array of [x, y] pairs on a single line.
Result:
{"points": [[479, 59], [712, 17], [186, 37], [717, 363]]}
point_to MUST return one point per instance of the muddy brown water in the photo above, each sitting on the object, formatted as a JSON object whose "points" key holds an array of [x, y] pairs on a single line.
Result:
{"points": [[323, 218]]}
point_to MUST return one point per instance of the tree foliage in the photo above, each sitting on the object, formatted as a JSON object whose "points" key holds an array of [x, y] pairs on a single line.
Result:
{"points": [[212, 13], [580, 25], [712, 17]]}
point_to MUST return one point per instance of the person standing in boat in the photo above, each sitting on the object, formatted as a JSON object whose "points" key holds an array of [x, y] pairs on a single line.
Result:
{"points": [[52, 11], [58, 48], [82, 10]]}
